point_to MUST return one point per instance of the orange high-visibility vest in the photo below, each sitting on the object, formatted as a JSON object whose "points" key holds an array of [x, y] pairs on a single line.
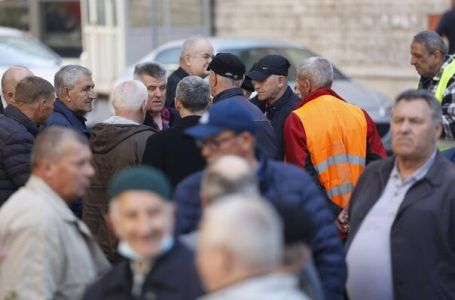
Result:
{"points": [[336, 134]]}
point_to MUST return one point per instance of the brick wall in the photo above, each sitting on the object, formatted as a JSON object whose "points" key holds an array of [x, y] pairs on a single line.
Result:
{"points": [[368, 39]]}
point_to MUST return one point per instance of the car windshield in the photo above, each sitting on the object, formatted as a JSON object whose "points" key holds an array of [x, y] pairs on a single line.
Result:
{"points": [[294, 55], [170, 58], [28, 52]]}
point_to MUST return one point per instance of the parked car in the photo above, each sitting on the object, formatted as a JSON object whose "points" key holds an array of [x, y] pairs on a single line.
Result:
{"points": [[250, 50], [17, 48]]}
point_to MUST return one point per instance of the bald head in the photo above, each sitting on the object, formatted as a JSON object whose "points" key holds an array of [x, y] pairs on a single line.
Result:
{"points": [[196, 55], [10, 79]]}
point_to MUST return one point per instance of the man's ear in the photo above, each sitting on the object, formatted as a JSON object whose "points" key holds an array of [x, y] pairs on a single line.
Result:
{"points": [[65, 95], [177, 104], [9, 97], [187, 60]]}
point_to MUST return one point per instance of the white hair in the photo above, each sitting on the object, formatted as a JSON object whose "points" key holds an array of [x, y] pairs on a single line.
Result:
{"points": [[129, 95], [318, 70], [248, 228]]}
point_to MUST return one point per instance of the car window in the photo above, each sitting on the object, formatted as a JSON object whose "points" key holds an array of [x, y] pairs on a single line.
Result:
{"points": [[169, 58], [21, 51], [295, 56]]}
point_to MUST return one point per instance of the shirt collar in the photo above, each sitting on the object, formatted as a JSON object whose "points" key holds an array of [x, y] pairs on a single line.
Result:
{"points": [[419, 173]]}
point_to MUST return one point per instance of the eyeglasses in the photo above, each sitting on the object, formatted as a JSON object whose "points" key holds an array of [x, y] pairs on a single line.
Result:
{"points": [[213, 143]]}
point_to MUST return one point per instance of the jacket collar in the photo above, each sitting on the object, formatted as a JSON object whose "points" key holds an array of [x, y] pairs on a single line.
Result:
{"points": [[278, 104], [434, 176], [181, 73], [229, 93], [122, 275], [318, 93], [14, 113], [37, 184], [190, 120]]}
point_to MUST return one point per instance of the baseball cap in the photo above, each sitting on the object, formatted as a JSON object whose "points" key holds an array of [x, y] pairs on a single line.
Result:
{"points": [[227, 114], [142, 178], [269, 65], [227, 65]]}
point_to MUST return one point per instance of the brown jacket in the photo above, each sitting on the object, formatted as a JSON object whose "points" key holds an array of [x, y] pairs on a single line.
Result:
{"points": [[114, 147]]}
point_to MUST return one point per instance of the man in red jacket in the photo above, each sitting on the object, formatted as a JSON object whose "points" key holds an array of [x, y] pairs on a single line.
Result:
{"points": [[329, 137]]}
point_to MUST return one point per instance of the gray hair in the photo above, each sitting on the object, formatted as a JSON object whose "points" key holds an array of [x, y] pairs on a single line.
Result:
{"points": [[318, 70], [194, 93], [50, 142], [31, 89], [189, 45], [412, 95], [67, 77], [130, 95], [153, 69], [249, 228], [432, 41], [229, 175]]}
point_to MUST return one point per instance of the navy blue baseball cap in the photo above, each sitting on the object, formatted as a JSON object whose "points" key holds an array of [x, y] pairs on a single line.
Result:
{"points": [[228, 114]]}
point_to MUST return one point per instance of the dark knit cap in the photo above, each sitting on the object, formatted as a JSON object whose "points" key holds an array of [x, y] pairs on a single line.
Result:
{"points": [[140, 178]]}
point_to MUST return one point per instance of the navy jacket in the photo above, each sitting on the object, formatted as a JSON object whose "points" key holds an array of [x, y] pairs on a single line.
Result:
{"points": [[277, 113], [266, 142], [422, 240], [283, 182], [17, 133], [172, 82], [64, 117], [173, 277]]}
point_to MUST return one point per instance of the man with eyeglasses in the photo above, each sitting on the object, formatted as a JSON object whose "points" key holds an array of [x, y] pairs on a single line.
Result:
{"points": [[196, 55], [229, 129]]}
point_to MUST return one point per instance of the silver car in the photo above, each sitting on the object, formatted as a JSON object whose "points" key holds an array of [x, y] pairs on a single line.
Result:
{"points": [[17, 48], [251, 50]]}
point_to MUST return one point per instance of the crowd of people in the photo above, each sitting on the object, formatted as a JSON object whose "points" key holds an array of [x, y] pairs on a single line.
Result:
{"points": [[195, 190]]}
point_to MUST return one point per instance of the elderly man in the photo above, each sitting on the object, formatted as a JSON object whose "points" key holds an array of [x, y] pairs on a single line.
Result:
{"points": [[195, 56], [227, 72], [34, 100], [330, 138], [274, 96], [402, 212], [171, 150], [153, 76], [228, 128], [75, 95], [437, 74], [10, 79], [233, 175], [240, 251], [116, 143], [49, 253], [157, 266]]}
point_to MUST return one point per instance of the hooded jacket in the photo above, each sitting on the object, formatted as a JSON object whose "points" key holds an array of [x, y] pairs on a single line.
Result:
{"points": [[114, 147]]}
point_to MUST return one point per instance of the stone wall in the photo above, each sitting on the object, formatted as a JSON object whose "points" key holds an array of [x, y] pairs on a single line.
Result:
{"points": [[367, 39]]}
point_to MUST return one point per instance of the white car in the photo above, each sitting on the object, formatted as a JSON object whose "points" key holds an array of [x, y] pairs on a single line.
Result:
{"points": [[250, 51], [17, 48]]}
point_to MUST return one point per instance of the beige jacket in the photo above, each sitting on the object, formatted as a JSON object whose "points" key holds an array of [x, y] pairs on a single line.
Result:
{"points": [[48, 252]]}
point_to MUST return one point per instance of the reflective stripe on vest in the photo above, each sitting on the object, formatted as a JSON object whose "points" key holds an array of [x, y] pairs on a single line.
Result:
{"points": [[336, 136], [447, 74]]}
